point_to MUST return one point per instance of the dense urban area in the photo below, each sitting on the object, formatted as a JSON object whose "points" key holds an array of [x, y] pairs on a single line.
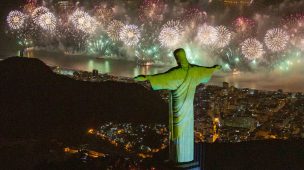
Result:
{"points": [[222, 114]]}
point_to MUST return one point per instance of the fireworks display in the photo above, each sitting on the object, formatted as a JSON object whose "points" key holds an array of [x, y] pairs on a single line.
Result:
{"points": [[223, 36], [47, 21], [84, 22], [104, 15], [103, 28], [29, 8], [78, 19], [101, 45], [293, 23], [193, 17], [276, 39], [114, 28], [90, 25], [207, 35], [243, 25], [152, 10], [38, 12], [252, 49], [147, 53], [298, 42], [15, 20], [130, 35], [171, 34]]}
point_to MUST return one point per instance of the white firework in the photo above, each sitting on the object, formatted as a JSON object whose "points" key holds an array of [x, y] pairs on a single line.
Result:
{"points": [[83, 21], [90, 25], [252, 49], [15, 20], [130, 35], [38, 12], [276, 39], [171, 34], [223, 36], [207, 35], [78, 18], [47, 21], [114, 29]]}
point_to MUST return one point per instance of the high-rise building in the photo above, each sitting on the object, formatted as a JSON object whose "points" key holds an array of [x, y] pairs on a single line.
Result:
{"points": [[64, 5], [64, 8]]}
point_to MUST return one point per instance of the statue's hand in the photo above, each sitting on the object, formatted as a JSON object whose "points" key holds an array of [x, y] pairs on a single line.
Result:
{"points": [[140, 78], [217, 67]]}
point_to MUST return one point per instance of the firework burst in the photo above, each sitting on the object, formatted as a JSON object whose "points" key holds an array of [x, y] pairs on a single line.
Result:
{"points": [[104, 15], [252, 49], [207, 35], [101, 45], [276, 39], [171, 34], [29, 8], [130, 35], [293, 24], [223, 36], [78, 18], [38, 12], [147, 53], [114, 28], [90, 25], [82, 21], [293, 21], [152, 10], [243, 25], [15, 20], [47, 21]]}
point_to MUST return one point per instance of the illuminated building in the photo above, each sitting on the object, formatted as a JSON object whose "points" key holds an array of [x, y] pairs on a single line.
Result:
{"points": [[64, 8], [215, 135], [91, 131], [238, 2], [64, 5]]}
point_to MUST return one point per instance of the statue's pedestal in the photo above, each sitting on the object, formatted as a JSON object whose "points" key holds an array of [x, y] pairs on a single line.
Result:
{"points": [[193, 165]]}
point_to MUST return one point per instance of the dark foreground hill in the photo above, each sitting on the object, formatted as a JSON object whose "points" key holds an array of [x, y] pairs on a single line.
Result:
{"points": [[264, 154], [34, 101], [252, 155]]}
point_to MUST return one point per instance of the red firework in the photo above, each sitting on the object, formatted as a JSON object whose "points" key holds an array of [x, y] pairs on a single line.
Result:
{"points": [[152, 10], [244, 28]]}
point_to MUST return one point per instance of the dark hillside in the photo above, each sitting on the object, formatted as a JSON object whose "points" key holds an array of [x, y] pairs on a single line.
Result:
{"points": [[35, 101]]}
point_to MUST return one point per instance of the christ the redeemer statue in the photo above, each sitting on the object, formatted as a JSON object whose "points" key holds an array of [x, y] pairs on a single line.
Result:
{"points": [[181, 81]]}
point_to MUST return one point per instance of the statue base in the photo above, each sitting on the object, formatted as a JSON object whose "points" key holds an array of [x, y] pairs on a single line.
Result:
{"points": [[196, 164], [193, 165]]}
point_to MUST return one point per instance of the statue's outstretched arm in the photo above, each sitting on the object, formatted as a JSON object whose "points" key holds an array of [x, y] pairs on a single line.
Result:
{"points": [[168, 80], [217, 67], [140, 78], [159, 75], [204, 74]]}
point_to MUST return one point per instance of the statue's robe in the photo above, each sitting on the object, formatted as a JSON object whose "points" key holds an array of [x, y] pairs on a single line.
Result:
{"points": [[182, 82]]}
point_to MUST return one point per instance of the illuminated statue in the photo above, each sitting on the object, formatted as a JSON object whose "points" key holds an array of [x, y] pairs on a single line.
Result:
{"points": [[181, 81]]}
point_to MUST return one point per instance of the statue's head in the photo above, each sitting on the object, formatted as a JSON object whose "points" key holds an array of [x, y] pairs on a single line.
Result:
{"points": [[180, 57]]}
